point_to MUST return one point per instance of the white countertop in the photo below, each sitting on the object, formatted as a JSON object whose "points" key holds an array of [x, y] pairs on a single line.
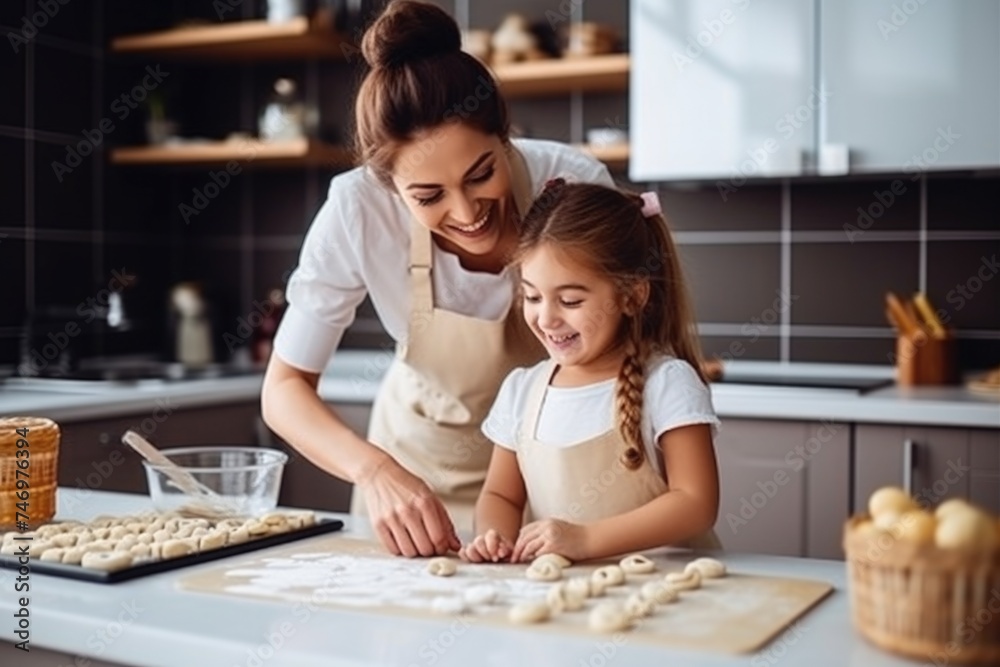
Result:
{"points": [[173, 627], [354, 375]]}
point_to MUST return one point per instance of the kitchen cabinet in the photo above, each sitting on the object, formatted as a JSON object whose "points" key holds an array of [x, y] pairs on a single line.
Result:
{"points": [[729, 89], [92, 456], [306, 485], [914, 85], [784, 486], [721, 88], [932, 463]]}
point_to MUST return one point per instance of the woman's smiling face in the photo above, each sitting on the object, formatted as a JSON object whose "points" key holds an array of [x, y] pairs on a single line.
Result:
{"points": [[455, 181]]}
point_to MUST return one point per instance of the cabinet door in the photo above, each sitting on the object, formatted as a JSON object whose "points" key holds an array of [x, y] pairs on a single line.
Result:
{"points": [[306, 485], [912, 84], [785, 487], [92, 455], [721, 89], [934, 464]]}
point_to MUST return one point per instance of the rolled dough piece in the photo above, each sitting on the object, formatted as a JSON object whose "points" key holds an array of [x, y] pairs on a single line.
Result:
{"points": [[608, 616], [109, 561], [684, 581], [441, 567], [659, 592], [609, 575], [708, 568], [638, 606], [637, 564], [559, 561], [529, 612], [543, 571], [561, 598]]}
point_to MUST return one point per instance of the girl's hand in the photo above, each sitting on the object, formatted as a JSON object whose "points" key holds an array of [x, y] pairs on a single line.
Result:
{"points": [[408, 518], [551, 536], [490, 547]]}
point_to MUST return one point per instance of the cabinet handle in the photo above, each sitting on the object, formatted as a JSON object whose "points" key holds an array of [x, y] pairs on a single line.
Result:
{"points": [[909, 464]]}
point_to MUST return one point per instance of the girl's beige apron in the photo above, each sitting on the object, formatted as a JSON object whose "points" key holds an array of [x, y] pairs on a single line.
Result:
{"points": [[585, 482], [444, 378]]}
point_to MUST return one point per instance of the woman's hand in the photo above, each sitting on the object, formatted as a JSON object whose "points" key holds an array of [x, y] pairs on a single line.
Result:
{"points": [[551, 536], [408, 518], [490, 547]]}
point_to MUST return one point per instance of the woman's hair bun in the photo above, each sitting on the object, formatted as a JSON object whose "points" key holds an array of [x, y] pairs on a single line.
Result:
{"points": [[407, 31]]}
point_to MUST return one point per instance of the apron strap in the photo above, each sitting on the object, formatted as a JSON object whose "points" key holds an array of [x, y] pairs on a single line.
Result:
{"points": [[421, 285], [536, 396]]}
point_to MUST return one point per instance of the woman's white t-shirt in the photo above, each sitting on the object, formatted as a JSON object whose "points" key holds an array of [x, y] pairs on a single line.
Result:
{"points": [[674, 396], [359, 244]]}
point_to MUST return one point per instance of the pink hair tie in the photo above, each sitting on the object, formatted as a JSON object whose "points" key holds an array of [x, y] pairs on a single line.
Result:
{"points": [[650, 204]]}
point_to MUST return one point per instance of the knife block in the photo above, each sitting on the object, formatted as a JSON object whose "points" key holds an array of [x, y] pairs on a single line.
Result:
{"points": [[924, 360]]}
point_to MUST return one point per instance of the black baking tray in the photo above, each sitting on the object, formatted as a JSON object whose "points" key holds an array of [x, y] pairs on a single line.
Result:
{"points": [[321, 527]]}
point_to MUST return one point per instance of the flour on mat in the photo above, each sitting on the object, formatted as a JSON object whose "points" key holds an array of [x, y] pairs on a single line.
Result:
{"points": [[362, 581]]}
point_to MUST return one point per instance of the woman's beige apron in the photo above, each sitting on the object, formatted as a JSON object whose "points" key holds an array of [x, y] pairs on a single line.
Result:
{"points": [[444, 378], [587, 481]]}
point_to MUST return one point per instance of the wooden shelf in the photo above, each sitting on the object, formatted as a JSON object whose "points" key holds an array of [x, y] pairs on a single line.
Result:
{"points": [[239, 40], [616, 156], [597, 74], [248, 153]]}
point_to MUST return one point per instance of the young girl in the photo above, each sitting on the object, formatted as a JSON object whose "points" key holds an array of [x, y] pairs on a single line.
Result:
{"points": [[608, 443]]}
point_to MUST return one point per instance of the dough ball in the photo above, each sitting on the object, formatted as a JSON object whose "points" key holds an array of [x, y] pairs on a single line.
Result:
{"points": [[890, 499], [659, 592], [708, 568], [127, 542], [559, 561], [684, 581], [609, 575], [637, 564], [441, 567], [145, 538], [481, 594], [140, 550], [108, 561], [73, 555], [543, 571], [561, 598], [163, 535], [175, 549], [117, 533], [65, 539], [529, 612], [53, 555], [448, 604], [637, 606], [917, 526], [608, 617], [212, 540], [966, 530], [890, 522], [239, 536], [951, 506]]}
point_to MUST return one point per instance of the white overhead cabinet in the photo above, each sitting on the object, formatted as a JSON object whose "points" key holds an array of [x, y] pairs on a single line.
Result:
{"points": [[734, 89]]}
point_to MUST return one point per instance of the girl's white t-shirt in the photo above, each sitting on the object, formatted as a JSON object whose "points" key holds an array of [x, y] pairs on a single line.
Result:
{"points": [[674, 396], [359, 244]]}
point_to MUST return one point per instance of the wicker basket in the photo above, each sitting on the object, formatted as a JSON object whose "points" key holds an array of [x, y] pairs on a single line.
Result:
{"points": [[43, 445], [938, 605]]}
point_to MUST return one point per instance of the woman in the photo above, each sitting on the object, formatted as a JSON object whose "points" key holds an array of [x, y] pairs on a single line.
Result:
{"points": [[425, 229]]}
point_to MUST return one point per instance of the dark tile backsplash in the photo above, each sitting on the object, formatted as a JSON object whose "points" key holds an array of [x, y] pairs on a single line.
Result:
{"points": [[737, 259]]}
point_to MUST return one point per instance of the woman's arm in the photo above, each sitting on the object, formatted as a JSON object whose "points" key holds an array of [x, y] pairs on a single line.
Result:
{"points": [[688, 509], [408, 518]]}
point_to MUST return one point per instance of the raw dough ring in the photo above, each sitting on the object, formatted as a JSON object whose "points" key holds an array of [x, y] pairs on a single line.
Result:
{"points": [[529, 612], [659, 592], [637, 564], [684, 581], [441, 567], [559, 561], [608, 617], [544, 571], [609, 575], [708, 568], [586, 587], [108, 561]]}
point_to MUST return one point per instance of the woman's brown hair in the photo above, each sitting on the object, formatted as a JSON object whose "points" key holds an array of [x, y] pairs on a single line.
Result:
{"points": [[419, 79], [606, 230]]}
